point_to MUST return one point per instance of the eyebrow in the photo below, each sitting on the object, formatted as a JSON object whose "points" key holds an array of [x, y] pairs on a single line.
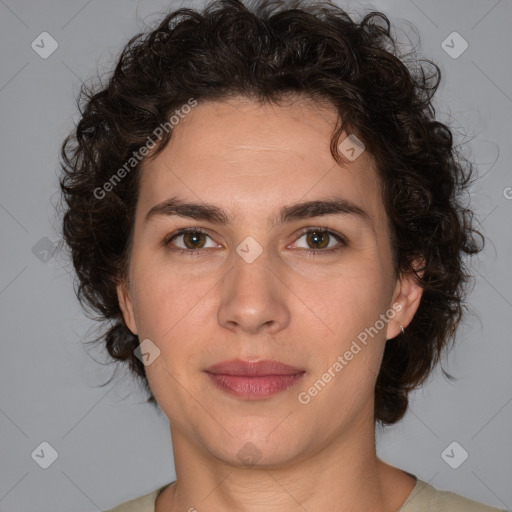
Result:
{"points": [[288, 213]]}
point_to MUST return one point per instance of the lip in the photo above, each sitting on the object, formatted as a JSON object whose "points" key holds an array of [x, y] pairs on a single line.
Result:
{"points": [[254, 380], [252, 369]]}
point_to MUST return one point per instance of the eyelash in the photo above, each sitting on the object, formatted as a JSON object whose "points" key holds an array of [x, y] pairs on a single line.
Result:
{"points": [[311, 252]]}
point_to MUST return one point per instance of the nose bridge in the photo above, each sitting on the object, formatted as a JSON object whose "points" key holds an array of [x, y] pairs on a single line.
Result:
{"points": [[252, 278], [252, 295]]}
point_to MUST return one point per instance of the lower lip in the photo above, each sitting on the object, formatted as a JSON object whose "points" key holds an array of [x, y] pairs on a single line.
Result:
{"points": [[254, 388]]}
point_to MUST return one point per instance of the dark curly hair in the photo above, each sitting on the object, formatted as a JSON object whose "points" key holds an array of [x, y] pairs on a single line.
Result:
{"points": [[267, 51]]}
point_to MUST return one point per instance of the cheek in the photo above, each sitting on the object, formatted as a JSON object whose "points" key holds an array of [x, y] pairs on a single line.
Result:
{"points": [[353, 297], [160, 288], [350, 304], [172, 305], [171, 311]]}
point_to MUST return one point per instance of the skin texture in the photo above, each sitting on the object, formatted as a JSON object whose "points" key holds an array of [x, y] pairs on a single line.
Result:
{"points": [[252, 159]]}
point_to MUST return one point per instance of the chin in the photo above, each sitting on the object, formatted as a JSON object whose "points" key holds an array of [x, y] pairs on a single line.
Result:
{"points": [[259, 446]]}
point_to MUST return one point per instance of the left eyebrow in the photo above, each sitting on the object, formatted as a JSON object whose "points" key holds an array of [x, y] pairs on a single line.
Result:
{"points": [[288, 213], [319, 208]]}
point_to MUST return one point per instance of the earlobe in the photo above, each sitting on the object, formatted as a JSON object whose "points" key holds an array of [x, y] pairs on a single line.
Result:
{"points": [[126, 305], [407, 295]]}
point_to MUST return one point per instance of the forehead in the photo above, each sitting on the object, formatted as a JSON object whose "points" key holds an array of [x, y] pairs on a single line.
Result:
{"points": [[252, 158]]}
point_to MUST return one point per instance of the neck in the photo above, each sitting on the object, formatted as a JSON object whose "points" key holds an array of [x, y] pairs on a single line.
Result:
{"points": [[344, 474]]}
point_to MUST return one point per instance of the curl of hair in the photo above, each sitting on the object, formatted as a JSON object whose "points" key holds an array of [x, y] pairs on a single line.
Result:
{"points": [[266, 53]]}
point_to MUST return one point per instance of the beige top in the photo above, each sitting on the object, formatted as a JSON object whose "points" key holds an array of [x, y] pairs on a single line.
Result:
{"points": [[423, 498]]}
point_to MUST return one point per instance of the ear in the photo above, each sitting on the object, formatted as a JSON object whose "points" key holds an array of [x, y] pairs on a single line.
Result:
{"points": [[406, 300], [126, 305]]}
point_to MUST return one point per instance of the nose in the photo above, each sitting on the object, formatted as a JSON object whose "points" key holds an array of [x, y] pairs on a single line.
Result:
{"points": [[254, 296]]}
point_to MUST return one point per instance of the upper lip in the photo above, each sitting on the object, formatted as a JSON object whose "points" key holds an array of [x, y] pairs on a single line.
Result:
{"points": [[258, 368]]}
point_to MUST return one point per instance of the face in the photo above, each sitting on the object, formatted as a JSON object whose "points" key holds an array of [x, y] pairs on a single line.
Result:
{"points": [[259, 277]]}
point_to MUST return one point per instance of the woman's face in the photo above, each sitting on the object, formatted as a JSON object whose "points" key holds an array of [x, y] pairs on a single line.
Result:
{"points": [[258, 288]]}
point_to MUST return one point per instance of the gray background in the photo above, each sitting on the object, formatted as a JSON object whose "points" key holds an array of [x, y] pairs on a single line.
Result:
{"points": [[111, 446]]}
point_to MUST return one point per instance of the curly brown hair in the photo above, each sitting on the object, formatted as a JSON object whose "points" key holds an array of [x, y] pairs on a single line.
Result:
{"points": [[266, 51]]}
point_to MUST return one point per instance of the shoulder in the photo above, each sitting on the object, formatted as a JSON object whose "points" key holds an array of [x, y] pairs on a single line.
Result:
{"points": [[426, 498], [145, 503]]}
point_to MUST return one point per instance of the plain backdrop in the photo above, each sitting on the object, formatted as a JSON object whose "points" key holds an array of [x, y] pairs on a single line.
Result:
{"points": [[110, 445]]}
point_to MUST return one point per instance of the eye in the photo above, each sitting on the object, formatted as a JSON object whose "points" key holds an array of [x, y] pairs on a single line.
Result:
{"points": [[321, 241], [318, 240], [193, 240]]}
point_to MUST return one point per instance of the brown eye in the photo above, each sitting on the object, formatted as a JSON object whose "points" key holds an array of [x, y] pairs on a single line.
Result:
{"points": [[189, 240], [194, 240], [318, 239]]}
